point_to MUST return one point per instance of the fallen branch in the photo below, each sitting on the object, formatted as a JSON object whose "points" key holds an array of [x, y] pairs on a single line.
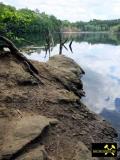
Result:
{"points": [[62, 43], [49, 41], [70, 46]]}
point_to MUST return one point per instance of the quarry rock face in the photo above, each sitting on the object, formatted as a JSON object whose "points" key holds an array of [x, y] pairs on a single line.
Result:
{"points": [[47, 121]]}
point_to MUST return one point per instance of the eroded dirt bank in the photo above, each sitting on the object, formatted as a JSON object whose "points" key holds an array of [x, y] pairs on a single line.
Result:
{"points": [[46, 121]]}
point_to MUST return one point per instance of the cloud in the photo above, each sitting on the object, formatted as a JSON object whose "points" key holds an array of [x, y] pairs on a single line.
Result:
{"points": [[101, 63], [73, 10], [98, 88]]}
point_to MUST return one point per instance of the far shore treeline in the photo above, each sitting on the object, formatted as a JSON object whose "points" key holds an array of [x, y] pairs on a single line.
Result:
{"points": [[15, 23]]}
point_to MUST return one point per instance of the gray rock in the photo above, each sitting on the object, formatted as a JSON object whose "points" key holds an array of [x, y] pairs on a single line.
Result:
{"points": [[22, 131], [68, 72], [34, 154], [82, 152]]}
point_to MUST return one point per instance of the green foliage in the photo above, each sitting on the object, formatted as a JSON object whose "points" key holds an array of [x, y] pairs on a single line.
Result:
{"points": [[97, 25], [18, 22], [115, 28]]}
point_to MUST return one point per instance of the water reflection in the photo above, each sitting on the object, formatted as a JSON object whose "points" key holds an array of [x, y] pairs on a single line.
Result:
{"points": [[101, 64], [100, 91], [91, 38], [113, 116], [117, 104], [99, 55]]}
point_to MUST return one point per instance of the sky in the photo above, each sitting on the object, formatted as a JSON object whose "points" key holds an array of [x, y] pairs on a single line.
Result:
{"points": [[72, 10], [101, 80]]}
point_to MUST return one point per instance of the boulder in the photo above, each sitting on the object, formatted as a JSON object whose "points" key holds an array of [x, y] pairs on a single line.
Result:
{"points": [[23, 131]]}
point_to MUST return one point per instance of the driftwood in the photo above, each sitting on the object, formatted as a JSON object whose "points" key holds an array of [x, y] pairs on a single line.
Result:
{"points": [[49, 41], [15, 52], [62, 43], [70, 46]]}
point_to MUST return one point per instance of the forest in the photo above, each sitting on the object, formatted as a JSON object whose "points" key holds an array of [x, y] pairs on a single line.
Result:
{"points": [[17, 22], [99, 25]]}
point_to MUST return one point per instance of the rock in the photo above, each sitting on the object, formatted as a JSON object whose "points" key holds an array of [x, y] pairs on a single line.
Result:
{"points": [[25, 130], [22, 131], [82, 152], [34, 154], [67, 65], [38, 153], [117, 104], [69, 73]]}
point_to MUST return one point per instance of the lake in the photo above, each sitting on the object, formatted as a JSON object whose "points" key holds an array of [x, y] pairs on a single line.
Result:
{"points": [[99, 56]]}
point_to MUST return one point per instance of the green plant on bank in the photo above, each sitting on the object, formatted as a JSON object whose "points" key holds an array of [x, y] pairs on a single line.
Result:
{"points": [[15, 24]]}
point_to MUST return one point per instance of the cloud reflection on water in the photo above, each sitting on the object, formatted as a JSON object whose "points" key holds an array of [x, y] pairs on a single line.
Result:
{"points": [[101, 63], [100, 91]]}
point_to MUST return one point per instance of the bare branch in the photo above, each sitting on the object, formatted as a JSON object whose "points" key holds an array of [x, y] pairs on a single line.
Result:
{"points": [[62, 43], [70, 46]]}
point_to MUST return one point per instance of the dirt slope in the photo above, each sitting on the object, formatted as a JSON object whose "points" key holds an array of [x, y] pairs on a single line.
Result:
{"points": [[48, 121]]}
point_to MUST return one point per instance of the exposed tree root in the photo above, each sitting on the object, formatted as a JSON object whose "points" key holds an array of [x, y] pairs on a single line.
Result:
{"points": [[15, 52]]}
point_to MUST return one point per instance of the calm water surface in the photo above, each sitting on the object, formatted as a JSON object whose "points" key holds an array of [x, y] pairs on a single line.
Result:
{"points": [[99, 55]]}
